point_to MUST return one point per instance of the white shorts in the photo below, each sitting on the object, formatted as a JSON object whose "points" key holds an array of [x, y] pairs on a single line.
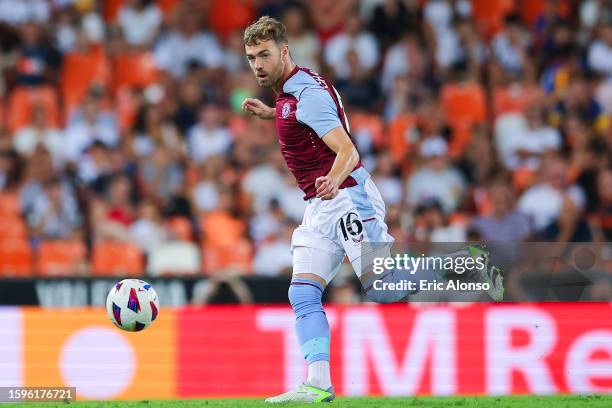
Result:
{"points": [[340, 226]]}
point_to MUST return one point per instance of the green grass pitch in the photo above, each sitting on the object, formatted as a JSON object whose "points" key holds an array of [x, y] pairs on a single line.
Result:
{"points": [[557, 401]]}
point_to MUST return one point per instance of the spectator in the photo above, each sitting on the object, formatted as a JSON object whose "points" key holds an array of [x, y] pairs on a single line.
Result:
{"points": [[524, 144], [160, 175], [120, 209], [291, 198], [305, 46], [148, 231], [436, 179], [600, 50], [405, 58], [139, 21], [569, 226], [510, 50], [386, 177], [504, 224], [55, 214], [360, 90], [355, 38], [39, 131], [37, 62], [432, 224], [18, 12], [188, 46], [273, 256], [205, 194], [90, 124], [391, 19], [209, 137], [543, 201]]}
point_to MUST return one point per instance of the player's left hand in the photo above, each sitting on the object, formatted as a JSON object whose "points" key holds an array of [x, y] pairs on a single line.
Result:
{"points": [[326, 188]]}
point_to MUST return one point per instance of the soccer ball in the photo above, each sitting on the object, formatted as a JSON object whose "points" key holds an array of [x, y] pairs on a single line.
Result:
{"points": [[132, 304]]}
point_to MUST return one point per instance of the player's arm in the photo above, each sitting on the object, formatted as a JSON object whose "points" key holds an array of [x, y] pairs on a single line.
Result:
{"points": [[257, 108], [347, 158]]}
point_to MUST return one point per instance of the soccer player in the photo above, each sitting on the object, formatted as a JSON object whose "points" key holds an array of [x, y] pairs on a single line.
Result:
{"points": [[345, 209]]}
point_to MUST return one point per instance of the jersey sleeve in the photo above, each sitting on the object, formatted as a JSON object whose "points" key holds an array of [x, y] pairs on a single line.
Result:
{"points": [[317, 109]]}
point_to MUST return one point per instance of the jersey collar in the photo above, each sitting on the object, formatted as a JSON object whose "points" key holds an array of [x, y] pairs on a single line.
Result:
{"points": [[292, 73]]}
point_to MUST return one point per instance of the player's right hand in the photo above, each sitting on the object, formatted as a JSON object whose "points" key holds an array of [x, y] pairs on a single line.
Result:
{"points": [[257, 108]]}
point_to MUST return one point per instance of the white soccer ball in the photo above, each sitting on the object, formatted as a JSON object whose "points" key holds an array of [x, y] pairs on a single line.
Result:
{"points": [[132, 304]]}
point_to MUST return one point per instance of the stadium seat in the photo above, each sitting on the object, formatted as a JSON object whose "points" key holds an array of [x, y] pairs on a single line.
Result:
{"points": [[79, 72], [60, 258], [180, 228], [111, 10], [15, 258], [238, 255], [464, 104], [167, 7], [220, 229], [174, 258], [134, 69], [512, 99], [489, 15], [400, 129], [117, 259], [23, 100], [13, 228], [370, 123], [9, 204]]}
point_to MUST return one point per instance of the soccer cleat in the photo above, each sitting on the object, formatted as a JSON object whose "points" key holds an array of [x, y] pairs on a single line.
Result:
{"points": [[490, 274], [305, 394]]}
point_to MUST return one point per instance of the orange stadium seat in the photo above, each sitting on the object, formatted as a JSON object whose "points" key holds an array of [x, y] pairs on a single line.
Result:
{"points": [[22, 101], [13, 228], [373, 124], [167, 6], [238, 255], [511, 99], [135, 69], [9, 205], [79, 72], [15, 258], [60, 258], [111, 9], [399, 136], [489, 15], [220, 229], [117, 258], [464, 104]]}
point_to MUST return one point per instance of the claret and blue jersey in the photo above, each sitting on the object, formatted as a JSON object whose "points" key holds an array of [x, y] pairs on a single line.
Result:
{"points": [[307, 108]]}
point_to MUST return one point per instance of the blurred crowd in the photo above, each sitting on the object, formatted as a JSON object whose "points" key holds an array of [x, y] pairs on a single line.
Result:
{"points": [[479, 120]]}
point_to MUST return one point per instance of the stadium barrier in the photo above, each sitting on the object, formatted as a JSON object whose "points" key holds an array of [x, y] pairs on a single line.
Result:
{"points": [[234, 351]]}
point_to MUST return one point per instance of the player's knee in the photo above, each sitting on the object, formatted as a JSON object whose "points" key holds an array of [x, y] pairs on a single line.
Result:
{"points": [[305, 296]]}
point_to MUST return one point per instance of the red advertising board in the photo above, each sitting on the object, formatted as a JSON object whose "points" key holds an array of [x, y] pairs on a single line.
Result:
{"points": [[401, 350], [390, 350]]}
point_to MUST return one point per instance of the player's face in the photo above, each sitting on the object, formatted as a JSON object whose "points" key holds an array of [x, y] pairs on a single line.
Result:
{"points": [[266, 62]]}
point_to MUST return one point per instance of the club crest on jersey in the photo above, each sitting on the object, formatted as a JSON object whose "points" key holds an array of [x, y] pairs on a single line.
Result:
{"points": [[285, 111]]}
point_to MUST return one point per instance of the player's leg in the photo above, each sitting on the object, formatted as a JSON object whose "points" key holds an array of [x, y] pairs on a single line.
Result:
{"points": [[313, 269], [362, 232]]}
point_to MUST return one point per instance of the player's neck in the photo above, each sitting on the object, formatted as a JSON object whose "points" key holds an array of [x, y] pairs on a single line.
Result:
{"points": [[289, 67]]}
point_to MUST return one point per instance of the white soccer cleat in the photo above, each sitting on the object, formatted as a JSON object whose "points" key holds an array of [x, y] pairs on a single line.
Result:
{"points": [[304, 394]]}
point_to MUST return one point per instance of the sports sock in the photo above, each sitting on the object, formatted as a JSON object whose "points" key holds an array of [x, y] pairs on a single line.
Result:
{"points": [[312, 329], [318, 374]]}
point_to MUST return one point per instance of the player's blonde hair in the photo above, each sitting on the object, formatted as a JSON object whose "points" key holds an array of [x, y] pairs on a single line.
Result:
{"points": [[264, 29]]}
